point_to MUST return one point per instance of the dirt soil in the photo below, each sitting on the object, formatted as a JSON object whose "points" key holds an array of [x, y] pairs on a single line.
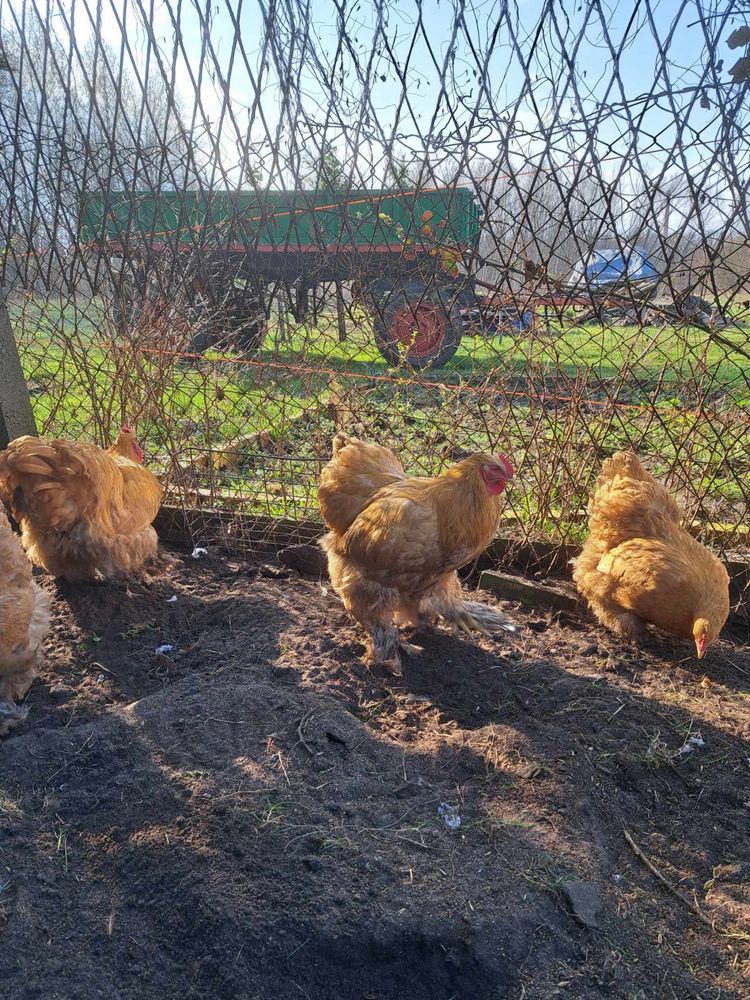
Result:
{"points": [[256, 814]]}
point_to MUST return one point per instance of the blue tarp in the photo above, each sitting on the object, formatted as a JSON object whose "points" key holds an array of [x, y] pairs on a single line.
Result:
{"points": [[632, 264]]}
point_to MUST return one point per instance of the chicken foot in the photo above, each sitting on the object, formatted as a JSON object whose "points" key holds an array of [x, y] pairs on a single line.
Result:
{"points": [[11, 715], [410, 649], [383, 647], [471, 616]]}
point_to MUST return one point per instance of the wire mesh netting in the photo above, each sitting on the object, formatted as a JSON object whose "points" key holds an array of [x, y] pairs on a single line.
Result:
{"points": [[447, 227]]}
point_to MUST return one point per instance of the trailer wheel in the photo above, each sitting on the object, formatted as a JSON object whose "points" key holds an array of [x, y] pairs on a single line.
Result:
{"points": [[237, 322], [417, 326], [245, 322], [250, 334]]}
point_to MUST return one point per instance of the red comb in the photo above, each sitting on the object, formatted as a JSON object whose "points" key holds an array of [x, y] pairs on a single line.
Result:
{"points": [[125, 429], [504, 460]]}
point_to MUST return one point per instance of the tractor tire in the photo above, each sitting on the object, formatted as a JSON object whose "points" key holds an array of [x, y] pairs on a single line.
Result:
{"points": [[417, 326]]}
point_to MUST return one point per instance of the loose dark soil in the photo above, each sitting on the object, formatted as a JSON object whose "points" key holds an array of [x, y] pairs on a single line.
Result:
{"points": [[257, 815]]}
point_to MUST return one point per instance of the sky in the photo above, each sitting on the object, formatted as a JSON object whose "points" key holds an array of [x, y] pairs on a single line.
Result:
{"points": [[605, 81]]}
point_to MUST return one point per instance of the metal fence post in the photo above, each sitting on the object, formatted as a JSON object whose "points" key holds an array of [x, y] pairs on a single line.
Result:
{"points": [[16, 415]]}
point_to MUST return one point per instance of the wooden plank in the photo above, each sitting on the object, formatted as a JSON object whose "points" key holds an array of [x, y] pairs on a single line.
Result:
{"points": [[16, 414], [188, 526], [537, 595]]}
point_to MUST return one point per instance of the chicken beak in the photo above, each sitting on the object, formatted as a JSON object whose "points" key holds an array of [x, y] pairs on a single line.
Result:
{"points": [[700, 645]]}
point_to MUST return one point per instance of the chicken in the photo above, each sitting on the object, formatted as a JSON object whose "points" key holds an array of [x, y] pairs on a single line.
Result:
{"points": [[639, 565], [24, 621], [395, 542], [85, 513], [230, 454]]}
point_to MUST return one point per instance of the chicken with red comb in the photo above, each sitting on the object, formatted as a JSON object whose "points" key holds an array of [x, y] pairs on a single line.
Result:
{"points": [[395, 541]]}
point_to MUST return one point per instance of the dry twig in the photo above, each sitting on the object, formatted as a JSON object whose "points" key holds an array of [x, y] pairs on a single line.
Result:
{"points": [[691, 904]]}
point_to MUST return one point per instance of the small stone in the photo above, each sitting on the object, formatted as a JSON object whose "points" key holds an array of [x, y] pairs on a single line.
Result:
{"points": [[584, 901], [273, 572], [538, 626]]}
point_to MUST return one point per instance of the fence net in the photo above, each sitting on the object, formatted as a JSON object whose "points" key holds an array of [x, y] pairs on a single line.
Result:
{"points": [[447, 227]]}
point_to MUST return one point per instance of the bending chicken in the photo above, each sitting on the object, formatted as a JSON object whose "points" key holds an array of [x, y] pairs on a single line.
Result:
{"points": [[24, 621], [639, 565], [85, 513], [395, 542]]}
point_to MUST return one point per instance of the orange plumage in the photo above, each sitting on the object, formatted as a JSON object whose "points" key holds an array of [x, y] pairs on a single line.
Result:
{"points": [[395, 541], [85, 513], [639, 565], [24, 621]]}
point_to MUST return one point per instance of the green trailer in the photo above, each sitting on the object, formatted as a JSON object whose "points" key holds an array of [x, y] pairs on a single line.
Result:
{"points": [[223, 256]]}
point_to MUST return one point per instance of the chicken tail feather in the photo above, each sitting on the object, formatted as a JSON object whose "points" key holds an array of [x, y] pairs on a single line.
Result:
{"points": [[351, 479], [47, 481], [623, 463], [340, 441]]}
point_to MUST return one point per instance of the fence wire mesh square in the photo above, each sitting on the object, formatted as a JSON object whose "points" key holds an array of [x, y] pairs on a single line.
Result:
{"points": [[447, 227]]}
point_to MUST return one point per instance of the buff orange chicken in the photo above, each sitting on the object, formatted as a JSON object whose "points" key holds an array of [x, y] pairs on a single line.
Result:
{"points": [[85, 513], [395, 541], [640, 566], [24, 621]]}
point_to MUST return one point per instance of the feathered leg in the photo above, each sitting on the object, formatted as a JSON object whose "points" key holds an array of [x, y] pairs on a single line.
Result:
{"points": [[407, 614], [384, 643], [471, 616], [446, 601], [616, 618], [11, 715], [373, 606], [14, 686]]}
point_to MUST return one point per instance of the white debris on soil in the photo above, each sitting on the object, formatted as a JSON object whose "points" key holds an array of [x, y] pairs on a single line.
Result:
{"points": [[692, 743], [449, 815]]}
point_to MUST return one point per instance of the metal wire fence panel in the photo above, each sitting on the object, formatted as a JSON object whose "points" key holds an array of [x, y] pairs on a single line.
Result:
{"points": [[444, 226]]}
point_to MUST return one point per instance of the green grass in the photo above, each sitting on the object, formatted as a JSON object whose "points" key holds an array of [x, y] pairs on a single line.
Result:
{"points": [[645, 354], [546, 398]]}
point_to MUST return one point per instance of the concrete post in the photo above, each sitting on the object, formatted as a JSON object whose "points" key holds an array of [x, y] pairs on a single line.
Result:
{"points": [[16, 415]]}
